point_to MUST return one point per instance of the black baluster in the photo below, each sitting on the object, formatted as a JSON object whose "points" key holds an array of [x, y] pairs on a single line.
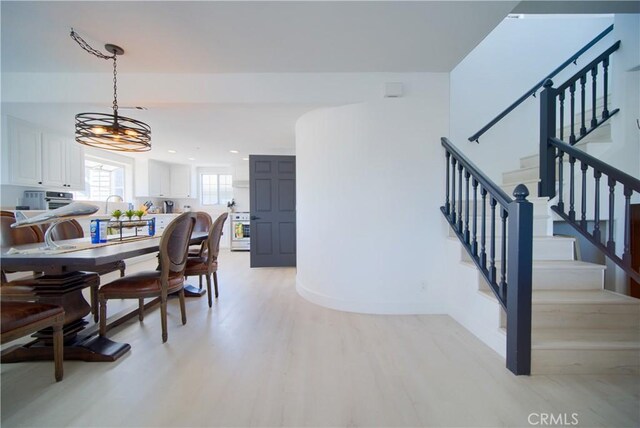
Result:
{"points": [[626, 255], [483, 233], [560, 180], [503, 266], [594, 116], [611, 244], [572, 105], [492, 255], [605, 77], [452, 218], [460, 167], [447, 208], [596, 228], [474, 241], [572, 188], [583, 208], [583, 128], [561, 97], [466, 208]]}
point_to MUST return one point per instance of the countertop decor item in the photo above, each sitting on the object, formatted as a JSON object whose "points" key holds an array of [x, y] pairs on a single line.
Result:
{"points": [[110, 131]]}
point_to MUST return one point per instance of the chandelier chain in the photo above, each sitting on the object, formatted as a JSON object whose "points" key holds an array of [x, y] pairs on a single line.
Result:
{"points": [[115, 86], [84, 45]]}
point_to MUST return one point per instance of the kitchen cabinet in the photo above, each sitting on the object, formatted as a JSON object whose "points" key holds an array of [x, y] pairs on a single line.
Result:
{"points": [[43, 159], [153, 178], [182, 185], [25, 153], [164, 180]]}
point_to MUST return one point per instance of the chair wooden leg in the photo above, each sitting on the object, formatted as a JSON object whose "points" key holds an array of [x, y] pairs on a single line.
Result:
{"points": [[215, 282], [122, 272], [103, 316], [200, 281], [94, 302], [209, 290], [58, 351], [141, 309], [183, 308], [163, 318]]}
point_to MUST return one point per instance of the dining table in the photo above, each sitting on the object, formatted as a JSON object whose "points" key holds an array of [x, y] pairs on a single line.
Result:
{"points": [[61, 276]]}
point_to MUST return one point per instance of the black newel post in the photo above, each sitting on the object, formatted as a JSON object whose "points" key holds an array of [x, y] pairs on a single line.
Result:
{"points": [[519, 274], [547, 185]]}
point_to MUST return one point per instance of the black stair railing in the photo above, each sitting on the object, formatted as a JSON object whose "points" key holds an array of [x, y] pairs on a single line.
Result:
{"points": [[619, 185], [553, 105], [573, 59], [586, 173], [473, 204]]}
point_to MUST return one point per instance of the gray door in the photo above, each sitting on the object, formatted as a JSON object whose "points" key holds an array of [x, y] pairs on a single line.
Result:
{"points": [[272, 192]]}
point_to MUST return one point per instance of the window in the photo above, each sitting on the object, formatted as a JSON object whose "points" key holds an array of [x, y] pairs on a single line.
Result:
{"points": [[102, 178], [215, 189]]}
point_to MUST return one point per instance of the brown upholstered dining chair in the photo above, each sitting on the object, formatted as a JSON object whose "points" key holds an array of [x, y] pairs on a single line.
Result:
{"points": [[168, 278], [203, 224], [19, 236], [20, 318], [206, 262], [71, 229]]}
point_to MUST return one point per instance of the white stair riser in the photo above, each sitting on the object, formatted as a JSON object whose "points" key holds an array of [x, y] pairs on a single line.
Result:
{"points": [[543, 249], [532, 185], [585, 361], [591, 315], [520, 175], [568, 279], [592, 148]]}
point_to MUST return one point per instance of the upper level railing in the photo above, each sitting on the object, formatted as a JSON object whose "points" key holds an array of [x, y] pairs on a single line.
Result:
{"points": [[584, 214], [503, 254], [476, 137]]}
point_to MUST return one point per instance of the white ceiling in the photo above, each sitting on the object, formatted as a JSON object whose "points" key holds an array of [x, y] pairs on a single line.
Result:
{"points": [[204, 37]]}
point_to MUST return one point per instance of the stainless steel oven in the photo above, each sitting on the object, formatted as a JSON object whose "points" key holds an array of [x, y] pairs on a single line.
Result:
{"points": [[46, 200], [240, 232]]}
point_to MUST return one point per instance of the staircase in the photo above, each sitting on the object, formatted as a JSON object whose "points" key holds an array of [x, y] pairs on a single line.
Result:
{"points": [[577, 326]]}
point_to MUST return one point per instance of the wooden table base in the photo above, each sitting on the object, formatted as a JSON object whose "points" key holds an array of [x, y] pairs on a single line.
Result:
{"points": [[95, 349]]}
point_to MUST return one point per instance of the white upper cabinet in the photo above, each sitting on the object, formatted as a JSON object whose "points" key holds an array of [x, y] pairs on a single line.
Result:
{"points": [[182, 185], [75, 167], [43, 159], [153, 178], [54, 161], [25, 153]]}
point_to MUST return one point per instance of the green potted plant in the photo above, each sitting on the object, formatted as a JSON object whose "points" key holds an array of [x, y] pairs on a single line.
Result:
{"points": [[129, 214], [139, 214], [116, 214]]}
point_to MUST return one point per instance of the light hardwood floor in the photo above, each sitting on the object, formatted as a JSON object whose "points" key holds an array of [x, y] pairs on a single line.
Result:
{"points": [[263, 356]]}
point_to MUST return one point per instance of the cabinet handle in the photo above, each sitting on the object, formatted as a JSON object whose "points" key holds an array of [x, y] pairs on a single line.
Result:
{"points": [[39, 182]]}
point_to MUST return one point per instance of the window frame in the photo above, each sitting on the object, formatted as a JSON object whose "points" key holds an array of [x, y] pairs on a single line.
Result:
{"points": [[218, 193]]}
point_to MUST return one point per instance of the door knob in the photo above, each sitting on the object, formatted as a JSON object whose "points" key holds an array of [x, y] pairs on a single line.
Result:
{"points": [[253, 217]]}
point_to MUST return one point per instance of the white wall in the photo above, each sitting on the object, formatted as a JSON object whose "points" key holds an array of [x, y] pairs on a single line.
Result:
{"points": [[516, 55], [369, 185]]}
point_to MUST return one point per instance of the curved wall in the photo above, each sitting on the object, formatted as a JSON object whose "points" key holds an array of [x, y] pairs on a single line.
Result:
{"points": [[370, 180]]}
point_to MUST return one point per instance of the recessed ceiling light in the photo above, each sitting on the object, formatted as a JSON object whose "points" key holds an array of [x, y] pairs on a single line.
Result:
{"points": [[192, 159], [245, 158], [171, 151], [234, 151]]}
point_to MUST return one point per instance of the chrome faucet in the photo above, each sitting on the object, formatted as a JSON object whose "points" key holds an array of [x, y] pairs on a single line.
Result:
{"points": [[106, 203]]}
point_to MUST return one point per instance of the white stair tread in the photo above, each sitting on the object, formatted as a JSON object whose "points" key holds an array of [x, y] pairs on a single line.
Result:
{"points": [[527, 183], [552, 264], [574, 338], [581, 297]]}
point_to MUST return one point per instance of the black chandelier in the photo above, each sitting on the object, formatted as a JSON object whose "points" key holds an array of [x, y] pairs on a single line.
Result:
{"points": [[110, 131]]}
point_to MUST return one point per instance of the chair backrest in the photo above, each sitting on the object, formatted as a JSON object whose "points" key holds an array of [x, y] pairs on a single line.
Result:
{"points": [[203, 222], [20, 235], [69, 229], [213, 241], [174, 244]]}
